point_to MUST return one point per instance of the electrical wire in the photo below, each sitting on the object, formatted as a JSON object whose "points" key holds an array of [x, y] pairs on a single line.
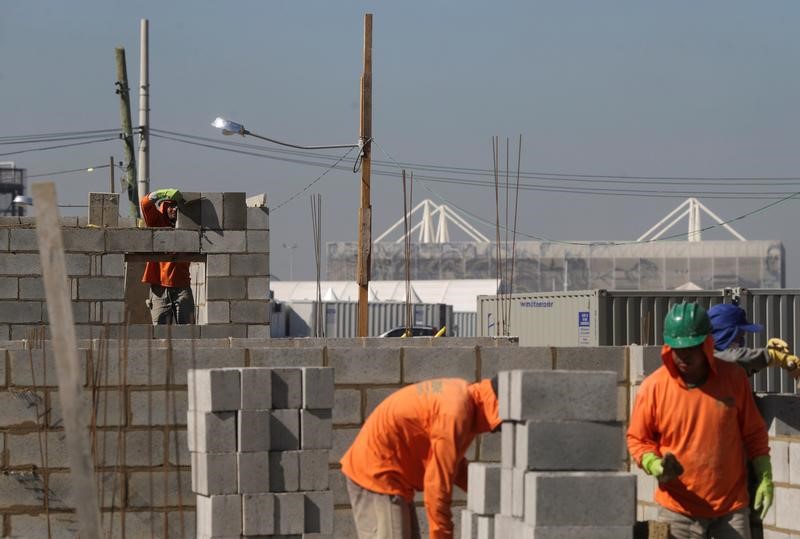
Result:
{"points": [[70, 171], [47, 137], [307, 187], [58, 146]]}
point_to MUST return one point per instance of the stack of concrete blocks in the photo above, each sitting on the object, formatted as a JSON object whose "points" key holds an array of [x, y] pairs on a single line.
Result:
{"points": [[260, 439], [562, 452]]}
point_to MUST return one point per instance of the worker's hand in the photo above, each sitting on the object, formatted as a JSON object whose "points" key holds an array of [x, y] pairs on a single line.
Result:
{"points": [[167, 194], [780, 354], [665, 469], [778, 344], [765, 490]]}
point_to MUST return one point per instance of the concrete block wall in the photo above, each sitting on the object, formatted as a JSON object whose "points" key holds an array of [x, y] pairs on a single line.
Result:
{"points": [[259, 439], [562, 449], [231, 281]]}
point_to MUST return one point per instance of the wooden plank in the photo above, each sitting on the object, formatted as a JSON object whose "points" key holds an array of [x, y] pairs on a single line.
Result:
{"points": [[74, 404]]}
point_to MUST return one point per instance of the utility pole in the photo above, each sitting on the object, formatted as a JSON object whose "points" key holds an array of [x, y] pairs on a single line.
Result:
{"points": [[111, 169], [127, 133], [143, 179], [364, 261]]}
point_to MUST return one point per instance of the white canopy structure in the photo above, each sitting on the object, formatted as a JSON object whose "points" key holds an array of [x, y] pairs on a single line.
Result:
{"points": [[690, 208], [427, 233]]}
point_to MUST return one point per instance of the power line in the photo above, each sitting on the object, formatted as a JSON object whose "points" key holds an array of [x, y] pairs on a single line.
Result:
{"points": [[57, 147], [70, 171]]}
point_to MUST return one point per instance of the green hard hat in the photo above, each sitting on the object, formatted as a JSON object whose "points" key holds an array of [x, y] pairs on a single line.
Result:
{"points": [[686, 325]]}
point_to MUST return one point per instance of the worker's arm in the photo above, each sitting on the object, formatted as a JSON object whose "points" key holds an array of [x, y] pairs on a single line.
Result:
{"points": [[440, 474], [643, 429], [751, 360], [751, 424], [461, 474], [149, 204]]}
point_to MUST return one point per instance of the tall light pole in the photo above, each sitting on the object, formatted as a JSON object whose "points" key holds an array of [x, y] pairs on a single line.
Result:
{"points": [[291, 248]]}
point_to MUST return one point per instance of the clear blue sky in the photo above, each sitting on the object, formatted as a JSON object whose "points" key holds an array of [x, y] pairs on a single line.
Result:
{"points": [[679, 88]]}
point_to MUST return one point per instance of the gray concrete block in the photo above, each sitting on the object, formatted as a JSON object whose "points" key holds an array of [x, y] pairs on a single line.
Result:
{"points": [[284, 471], [313, 469], [43, 372], [254, 430], [604, 499], [318, 387], [258, 241], [214, 473], [110, 265], [216, 331], [490, 446], [258, 514], [582, 532], [173, 490], [287, 388], [20, 264], [258, 218], [508, 444], [347, 406], [22, 239], [101, 288], [599, 358], [319, 512], [506, 527], [214, 390], [218, 312], [506, 491], [316, 429], [286, 357], [226, 288], [211, 432], [189, 211], [234, 211], [258, 331], [9, 287], [785, 511], [218, 265], [169, 240], [507, 358], [593, 446], [284, 430], [342, 440], [258, 288], [249, 265], [780, 412], [289, 513], [223, 241], [518, 492], [256, 388], [365, 366], [483, 496], [376, 396], [103, 209], [211, 211], [253, 472], [219, 515], [24, 449], [250, 312], [563, 395], [133, 240], [83, 240], [504, 395], [427, 363], [469, 524]]}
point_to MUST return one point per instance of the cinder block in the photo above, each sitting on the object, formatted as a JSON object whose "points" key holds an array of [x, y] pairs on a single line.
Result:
{"points": [[313, 469], [508, 444], [518, 492], [780, 413], [426, 363], [258, 514], [101, 288], [256, 388], [214, 473], [103, 209], [287, 388], [258, 331], [787, 500], [506, 527], [563, 395], [258, 218], [169, 240], [20, 264], [319, 512], [342, 440], [254, 430], [601, 358], [258, 288], [83, 240], [24, 449], [9, 287], [316, 429], [214, 390], [253, 472], [219, 515], [21, 312], [284, 357], [582, 532], [189, 216], [258, 241], [497, 359], [218, 265], [365, 366], [22, 239], [226, 288], [284, 471], [223, 241], [250, 312], [347, 406], [175, 489], [129, 240], [483, 496], [593, 446], [218, 312], [779, 455], [211, 211], [506, 491], [110, 265], [211, 432], [234, 211], [794, 462], [604, 499], [248, 265], [489, 446], [469, 527], [318, 388], [289, 513], [284, 429]]}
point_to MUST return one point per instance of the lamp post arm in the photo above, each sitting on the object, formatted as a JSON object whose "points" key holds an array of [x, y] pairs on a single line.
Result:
{"points": [[326, 147]]}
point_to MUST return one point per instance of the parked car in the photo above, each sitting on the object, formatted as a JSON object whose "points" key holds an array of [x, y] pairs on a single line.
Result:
{"points": [[416, 331]]}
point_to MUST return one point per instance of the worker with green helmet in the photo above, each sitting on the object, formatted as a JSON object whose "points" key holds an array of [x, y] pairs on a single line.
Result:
{"points": [[693, 427]]}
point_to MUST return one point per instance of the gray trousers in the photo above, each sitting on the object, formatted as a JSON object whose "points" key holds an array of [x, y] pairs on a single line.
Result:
{"points": [[381, 516], [734, 525], [171, 305]]}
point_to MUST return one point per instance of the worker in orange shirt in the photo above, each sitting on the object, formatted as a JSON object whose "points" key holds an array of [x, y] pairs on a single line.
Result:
{"points": [[415, 440], [171, 299], [694, 426]]}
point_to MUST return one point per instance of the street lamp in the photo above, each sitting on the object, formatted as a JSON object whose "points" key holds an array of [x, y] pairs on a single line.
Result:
{"points": [[233, 128]]}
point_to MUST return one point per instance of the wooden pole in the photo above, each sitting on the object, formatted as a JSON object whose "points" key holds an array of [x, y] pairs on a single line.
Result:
{"points": [[111, 168], [127, 133], [365, 211], [70, 391]]}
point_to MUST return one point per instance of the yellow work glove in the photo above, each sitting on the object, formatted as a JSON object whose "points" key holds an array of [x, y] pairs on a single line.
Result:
{"points": [[665, 470], [765, 491], [780, 355]]}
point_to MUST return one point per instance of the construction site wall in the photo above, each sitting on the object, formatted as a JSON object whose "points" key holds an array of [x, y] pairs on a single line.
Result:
{"points": [[138, 424]]}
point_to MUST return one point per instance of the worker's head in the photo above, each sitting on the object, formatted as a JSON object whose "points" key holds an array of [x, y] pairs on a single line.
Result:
{"points": [[170, 209], [729, 324], [686, 328], [487, 408]]}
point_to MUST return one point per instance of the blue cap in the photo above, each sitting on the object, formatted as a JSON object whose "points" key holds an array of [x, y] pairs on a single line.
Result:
{"points": [[727, 321]]}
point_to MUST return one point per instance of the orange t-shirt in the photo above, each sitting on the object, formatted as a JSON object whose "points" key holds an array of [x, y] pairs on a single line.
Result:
{"points": [[169, 274], [711, 429], [416, 440]]}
